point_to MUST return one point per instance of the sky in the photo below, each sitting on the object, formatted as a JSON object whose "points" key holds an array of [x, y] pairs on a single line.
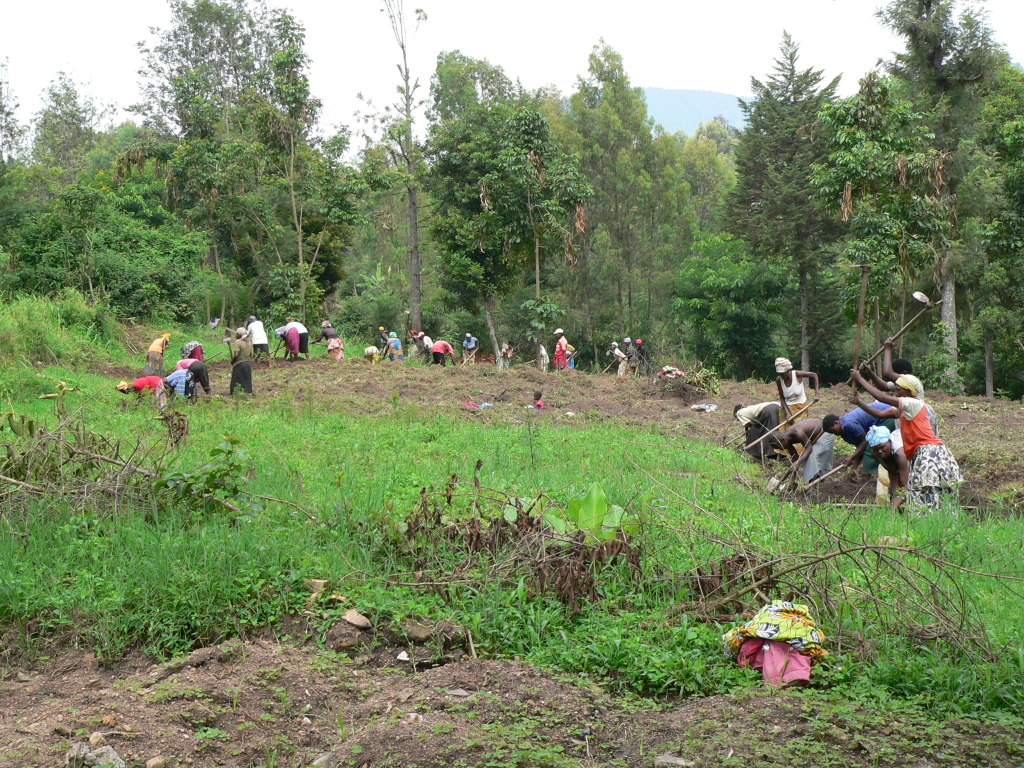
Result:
{"points": [[685, 44]]}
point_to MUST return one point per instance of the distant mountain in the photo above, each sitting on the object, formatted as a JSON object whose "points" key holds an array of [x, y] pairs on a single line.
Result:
{"points": [[685, 110]]}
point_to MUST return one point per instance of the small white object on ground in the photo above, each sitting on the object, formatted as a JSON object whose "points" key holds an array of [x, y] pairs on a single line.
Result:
{"points": [[402, 656]]}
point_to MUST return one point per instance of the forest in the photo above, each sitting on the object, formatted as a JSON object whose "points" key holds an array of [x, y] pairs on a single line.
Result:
{"points": [[471, 203]]}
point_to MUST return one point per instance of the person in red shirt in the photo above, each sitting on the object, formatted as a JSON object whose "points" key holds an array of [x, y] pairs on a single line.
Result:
{"points": [[538, 401], [934, 472], [141, 385], [441, 350]]}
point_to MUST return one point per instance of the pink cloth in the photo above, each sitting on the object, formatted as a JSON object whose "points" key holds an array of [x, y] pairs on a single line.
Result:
{"points": [[185, 363], [779, 663], [291, 341]]}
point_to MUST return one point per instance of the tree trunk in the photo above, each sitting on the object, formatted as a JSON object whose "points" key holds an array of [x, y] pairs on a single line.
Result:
{"points": [[536, 260], [805, 351], [990, 390], [415, 267], [948, 288], [489, 318]]}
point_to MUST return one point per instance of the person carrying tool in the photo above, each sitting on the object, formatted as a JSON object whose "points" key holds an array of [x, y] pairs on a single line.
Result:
{"points": [[470, 346], [817, 447], [633, 360], [618, 358], [934, 472], [891, 371], [258, 337], [192, 350], [382, 334], [561, 350], [643, 354], [241, 361], [758, 420], [790, 384]]}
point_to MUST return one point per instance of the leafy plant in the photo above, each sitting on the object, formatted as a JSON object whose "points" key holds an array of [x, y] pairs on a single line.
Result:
{"points": [[594, 516]]}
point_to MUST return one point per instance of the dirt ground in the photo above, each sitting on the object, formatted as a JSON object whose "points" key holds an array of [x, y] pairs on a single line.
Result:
{"points": [[273, 701], [981, 433]]}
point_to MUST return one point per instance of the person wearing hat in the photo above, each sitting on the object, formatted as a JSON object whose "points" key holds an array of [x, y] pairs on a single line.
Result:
{"points": [[790, 384], [395, 351], [561, 350], [241, 361], [335, 346], [258, 337], [289, 334], [887, 449], [643, 354], [934, 472], [382, 334], [155, 354], [470, 346], [618, 358]]}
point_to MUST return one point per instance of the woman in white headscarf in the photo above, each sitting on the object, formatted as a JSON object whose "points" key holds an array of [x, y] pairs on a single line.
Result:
{"points": [[792, 393]]}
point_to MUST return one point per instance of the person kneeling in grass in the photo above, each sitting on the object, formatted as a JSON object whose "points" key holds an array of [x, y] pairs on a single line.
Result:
{"points": [[934, 472], [154, 384]]}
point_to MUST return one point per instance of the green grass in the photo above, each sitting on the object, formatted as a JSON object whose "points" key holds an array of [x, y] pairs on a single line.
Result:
{"points": [[167, 578]]}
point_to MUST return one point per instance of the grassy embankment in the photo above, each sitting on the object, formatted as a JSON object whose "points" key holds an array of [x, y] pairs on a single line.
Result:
{"points": [[169, 577]]}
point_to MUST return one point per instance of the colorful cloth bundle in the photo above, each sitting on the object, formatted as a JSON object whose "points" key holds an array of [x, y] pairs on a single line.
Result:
{"points": [[783, 621]]}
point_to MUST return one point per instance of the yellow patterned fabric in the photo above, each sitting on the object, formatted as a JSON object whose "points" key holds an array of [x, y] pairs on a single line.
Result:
{"points": [[783, 621]]}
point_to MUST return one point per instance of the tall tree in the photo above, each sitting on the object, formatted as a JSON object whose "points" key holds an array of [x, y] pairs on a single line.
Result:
{"points": [[948, 58], [405, 149], [66, 127], [770, 206], [11, 131]]}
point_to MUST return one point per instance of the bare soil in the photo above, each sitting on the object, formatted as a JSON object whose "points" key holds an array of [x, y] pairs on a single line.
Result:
{"points": [[271, 701]]}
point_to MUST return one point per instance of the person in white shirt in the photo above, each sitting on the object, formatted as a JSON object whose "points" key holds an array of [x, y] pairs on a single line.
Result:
{"points": [[258, 336]]}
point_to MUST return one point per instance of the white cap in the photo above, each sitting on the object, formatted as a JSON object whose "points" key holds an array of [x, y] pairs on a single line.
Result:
{"points": [[628, 340], [615, 343], [558, 331], [469, 336]]}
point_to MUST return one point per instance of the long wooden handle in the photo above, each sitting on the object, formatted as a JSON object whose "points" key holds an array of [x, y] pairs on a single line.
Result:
{"points": [[773, 429], [827, 474], [898, 333]]}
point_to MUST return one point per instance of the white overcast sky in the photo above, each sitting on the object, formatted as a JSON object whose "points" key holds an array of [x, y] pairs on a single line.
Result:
{"points": [[691, 44]]}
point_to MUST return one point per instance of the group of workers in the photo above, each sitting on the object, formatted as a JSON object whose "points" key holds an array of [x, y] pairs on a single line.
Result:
{"points": [[897, 431], [634, 360], [251, 343]]}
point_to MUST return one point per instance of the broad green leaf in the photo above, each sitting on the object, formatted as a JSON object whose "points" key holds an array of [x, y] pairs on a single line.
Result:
{"points": [[592, 511]]}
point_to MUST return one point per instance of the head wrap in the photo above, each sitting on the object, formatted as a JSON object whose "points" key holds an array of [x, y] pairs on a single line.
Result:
{"points": [[122, 386], [782, 365], [325, 324], [241, 333], [292, 320], [639, 341], [420, 335], [911, 383], [189, 348], [381, 328], [615, 343], [251, 319], [628, 340], [558, 331], [878, 435], [392, 335], [165, 335]]}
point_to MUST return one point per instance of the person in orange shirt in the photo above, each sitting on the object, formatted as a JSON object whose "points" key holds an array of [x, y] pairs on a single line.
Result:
{"points": [[934, 472], [155, 354]]}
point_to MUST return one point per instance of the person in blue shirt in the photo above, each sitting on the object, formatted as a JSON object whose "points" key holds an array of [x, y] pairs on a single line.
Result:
{"points": [[470, 345], [853, 428], [182, 382], [395, 351]]}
